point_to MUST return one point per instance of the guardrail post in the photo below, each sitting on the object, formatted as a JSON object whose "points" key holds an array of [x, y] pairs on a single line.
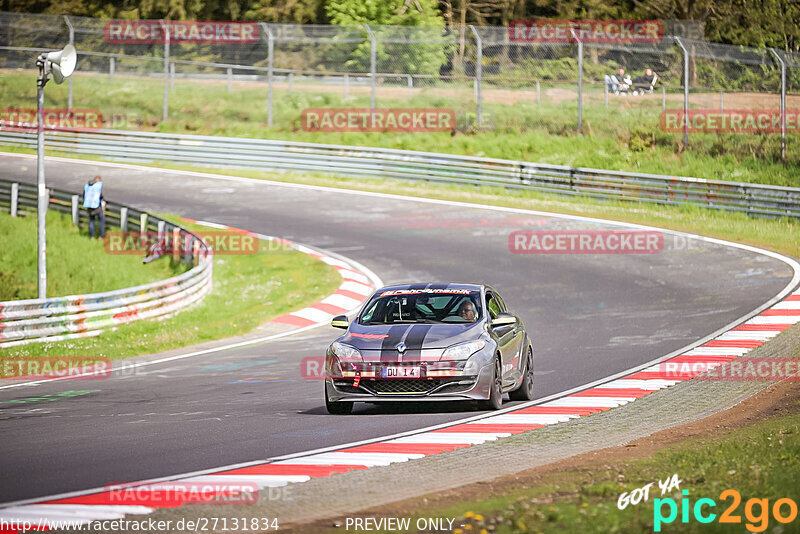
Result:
{"points": [[188, 248], [538, 92], [162, 225], [123, 219], [14, 198], [230, 75], [270, 68], [478, 74], [783, 101], [165, 108], [176, 243], [112, 66], [685, 91], [143, 224], [75, 219]]}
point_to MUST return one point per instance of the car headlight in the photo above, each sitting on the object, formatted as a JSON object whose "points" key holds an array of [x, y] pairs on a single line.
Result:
{"points": [[345, 352], [462, 351]]}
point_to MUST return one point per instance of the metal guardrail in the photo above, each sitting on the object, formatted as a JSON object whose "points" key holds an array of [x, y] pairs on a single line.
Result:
{"points": [[354, 161], [60, 318]]}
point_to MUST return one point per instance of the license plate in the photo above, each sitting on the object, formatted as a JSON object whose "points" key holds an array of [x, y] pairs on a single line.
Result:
{"points": [[400, 371]]}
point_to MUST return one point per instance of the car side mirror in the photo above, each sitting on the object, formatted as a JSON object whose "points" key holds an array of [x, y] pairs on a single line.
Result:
{"points": [[340, 321], [504, 319]]}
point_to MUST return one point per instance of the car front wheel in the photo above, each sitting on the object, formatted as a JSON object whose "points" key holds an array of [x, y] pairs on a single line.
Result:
{"points": [[495, 401], [337, 408]]}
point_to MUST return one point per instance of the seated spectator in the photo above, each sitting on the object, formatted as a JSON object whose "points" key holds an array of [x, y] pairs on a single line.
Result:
{"points": [[645, 84], [618, 83]]}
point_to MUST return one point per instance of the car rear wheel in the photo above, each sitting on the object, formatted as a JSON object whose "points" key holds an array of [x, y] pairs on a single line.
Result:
{"points": [[337, 408], [525, 390], [495, 401]]}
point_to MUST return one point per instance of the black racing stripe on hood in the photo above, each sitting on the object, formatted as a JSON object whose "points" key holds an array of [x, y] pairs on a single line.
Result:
{"points": [[394, 336], [415, 341]]}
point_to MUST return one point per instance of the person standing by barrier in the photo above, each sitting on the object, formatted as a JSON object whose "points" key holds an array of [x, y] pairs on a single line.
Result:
{"points": [[93, 201]]}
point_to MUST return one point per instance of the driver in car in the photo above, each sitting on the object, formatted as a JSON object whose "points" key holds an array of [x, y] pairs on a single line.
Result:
{"points": [[467, 311]]}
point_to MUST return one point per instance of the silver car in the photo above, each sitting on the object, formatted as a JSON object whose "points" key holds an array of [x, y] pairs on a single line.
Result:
{"points": [[430, 342]]}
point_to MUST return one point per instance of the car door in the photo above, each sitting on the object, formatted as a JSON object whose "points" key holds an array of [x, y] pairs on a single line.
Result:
{"points": [[516, 344], [503, 334]]}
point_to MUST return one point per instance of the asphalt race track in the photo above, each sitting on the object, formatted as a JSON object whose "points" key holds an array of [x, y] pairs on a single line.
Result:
{"points": [[592, 315]]}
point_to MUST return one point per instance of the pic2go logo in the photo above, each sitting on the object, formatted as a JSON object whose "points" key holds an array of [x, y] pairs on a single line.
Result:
{"points": [[758, 521]]}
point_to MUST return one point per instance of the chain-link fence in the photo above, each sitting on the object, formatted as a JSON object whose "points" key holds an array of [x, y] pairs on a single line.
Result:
{"points": [[489, 79]]}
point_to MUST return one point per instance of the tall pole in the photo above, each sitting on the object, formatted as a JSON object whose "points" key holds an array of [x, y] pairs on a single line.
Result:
{"points": [[372, 64], [479, 73], [783, 101], [685, 91], [580, 78], [270, 69], [72, 42], [165, 110], [41, 212]]}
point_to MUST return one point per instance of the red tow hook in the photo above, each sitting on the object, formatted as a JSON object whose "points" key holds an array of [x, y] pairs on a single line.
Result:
{"points": [[356, 380]]}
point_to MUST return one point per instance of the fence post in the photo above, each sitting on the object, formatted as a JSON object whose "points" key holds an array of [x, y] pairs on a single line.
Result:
{"points": [[478, 73], [112, 66], [722, 100], [346, 86], [230, 75], [72, 42], [410, 86], [176, 243], [123, 220], [75, 219], [663, 98], [373, 58], [162, 227], [165, 110], [143, 224], [685, 91], [580, 78], [270, 67], [783, 101], [605, 93], [14, 199], [538, 92], [172, 74]]}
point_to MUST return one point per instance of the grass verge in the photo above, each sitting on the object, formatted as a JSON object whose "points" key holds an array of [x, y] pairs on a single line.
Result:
{"points": [[248, 290], [625, 136], [76, 264]]}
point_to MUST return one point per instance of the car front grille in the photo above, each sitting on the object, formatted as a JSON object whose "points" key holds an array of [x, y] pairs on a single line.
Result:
{"points": [[405, 386]]}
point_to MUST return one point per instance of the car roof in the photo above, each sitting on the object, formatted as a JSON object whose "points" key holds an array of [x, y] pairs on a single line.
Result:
{"points": [[469, 287]]}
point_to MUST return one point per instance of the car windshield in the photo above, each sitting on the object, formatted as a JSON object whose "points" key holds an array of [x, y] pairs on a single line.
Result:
{"points": [[423, 306]]}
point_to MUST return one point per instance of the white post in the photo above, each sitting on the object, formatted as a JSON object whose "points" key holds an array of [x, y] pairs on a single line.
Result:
{"points": [[123, 219], [538, 92], [75, 219], [112, 66], [143, 223], [41, 211], [346, 86], [373, 58], [230, 76], [14, 199]]}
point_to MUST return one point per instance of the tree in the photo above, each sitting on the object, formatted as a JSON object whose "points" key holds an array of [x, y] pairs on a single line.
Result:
{"points": [[417, 48]]}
